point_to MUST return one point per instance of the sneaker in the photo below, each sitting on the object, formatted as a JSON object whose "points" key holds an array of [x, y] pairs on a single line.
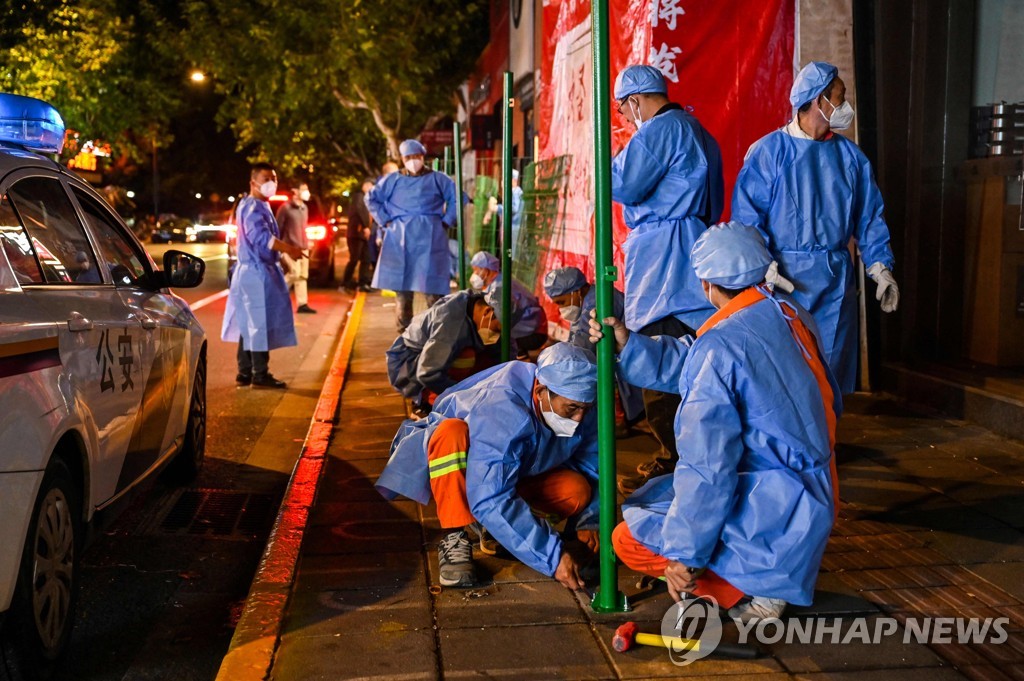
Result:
{"points": [[305, 309], [647, 471], [481, 539], [757, 608], [268, 382], [653, 468], [243, 380], [455, 560], [420, 410], [366, 288]]}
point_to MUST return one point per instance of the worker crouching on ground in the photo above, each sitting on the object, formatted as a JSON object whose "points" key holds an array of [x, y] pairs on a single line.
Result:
{"points": [[745, 516], [443, 345], [529, 322], [576, 299], [500, 448]]}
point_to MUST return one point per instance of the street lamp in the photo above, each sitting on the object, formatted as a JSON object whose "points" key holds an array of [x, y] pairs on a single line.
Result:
{"points": [[197, 76]]}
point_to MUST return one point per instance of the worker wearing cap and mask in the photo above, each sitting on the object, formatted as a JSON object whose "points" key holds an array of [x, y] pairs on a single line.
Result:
{"points": [[810, 191], [576, 299], [415, 206], [529, 321], [498, 446], [443, 345], [668, 179], [747, 512]]}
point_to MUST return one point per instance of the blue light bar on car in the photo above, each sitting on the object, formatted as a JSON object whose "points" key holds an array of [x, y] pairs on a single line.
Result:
{"points": [[31, 123]]}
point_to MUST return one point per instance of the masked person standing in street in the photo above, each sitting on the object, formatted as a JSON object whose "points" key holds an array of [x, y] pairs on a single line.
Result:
{"points": [[668, 179], [292, 218], [810, 191], [357, 238], [258, 314], [415, 206]]}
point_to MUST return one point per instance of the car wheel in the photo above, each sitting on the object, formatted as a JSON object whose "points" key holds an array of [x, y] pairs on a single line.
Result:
{"points": [[42, 612], [189, 461]]}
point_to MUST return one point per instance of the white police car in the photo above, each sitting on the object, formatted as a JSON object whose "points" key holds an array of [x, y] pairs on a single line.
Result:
{"points": [[102, 378]]}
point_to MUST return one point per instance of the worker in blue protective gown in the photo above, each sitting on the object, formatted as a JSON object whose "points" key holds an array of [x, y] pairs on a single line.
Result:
{"points": [[529, 321], [258, 314], [748, 510], [510, 439], [810, 191], [668, 179], [443, 345], [414, 206], [576, 299]]}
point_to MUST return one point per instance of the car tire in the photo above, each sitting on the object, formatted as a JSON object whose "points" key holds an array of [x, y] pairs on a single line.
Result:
{"points": [[189, 461], [38, 625]]}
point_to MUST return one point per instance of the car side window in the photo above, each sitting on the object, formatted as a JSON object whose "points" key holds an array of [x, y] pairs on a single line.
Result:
{"points": [[15, 243], [126, 266], [58, 239]]}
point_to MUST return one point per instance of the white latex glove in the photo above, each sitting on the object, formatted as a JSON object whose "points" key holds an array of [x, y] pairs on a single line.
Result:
{"points": [[888, 293], [776, 280]]}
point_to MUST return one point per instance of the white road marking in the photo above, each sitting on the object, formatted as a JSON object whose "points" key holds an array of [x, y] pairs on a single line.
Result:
{"points": [[203, 302]]}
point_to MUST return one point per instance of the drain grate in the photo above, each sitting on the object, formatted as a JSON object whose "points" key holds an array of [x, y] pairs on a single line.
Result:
{"points": [[224, 514]]}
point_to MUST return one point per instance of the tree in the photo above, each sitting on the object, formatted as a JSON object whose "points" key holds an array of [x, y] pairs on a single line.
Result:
{"points": [[338, 83]]}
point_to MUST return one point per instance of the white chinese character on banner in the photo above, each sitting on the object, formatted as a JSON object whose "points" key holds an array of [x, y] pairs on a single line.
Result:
{"points": [[664, 60], [667, 11]]}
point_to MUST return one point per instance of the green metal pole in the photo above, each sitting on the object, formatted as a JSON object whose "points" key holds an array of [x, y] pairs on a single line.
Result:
{"points": [[459, 235], [447, 155], [506, 220], [435, 164], [607, 598]]}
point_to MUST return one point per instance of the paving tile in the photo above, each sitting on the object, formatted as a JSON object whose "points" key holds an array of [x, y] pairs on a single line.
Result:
{"points": [[984, 672], [927, 674], [981, 545], [335, 512], [385, 655], [889, 653], [1008, 578], [315, 612], [363, 537], [362, 570], [556, 651], [529, 603]]}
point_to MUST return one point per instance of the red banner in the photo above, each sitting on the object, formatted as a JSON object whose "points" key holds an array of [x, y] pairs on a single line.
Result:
{"points": [[731, 62]]}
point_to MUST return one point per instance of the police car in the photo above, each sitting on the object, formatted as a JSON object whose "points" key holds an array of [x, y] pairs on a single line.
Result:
{"points": [[102, 378]]}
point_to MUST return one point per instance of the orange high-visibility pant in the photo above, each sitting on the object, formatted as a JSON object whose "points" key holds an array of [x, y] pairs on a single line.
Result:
{"points": [[640, 558], [559, 492]]}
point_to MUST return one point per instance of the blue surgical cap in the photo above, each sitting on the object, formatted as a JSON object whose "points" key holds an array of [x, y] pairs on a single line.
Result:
{"points": [[563, 280], [639, 79], [568, 370], [492, 296], [731, 255], [811, 82], [486, 260], [411, 148]]}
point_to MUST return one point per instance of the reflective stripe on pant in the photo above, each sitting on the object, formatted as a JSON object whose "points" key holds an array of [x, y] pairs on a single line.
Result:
{"points": [[559, 492], [638, 557]]}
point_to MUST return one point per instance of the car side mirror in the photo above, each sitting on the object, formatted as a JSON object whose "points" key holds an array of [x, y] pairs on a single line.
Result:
{"points": [[183, 270]]}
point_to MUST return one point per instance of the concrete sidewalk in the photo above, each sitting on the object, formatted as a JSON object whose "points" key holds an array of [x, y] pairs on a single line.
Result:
{"points": [[931, 526]]}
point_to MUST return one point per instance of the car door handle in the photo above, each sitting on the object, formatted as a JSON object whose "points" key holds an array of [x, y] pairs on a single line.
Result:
{"points": [[146, 321], [79, 322]]}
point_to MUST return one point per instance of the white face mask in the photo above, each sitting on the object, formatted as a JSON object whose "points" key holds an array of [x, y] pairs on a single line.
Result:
{"points": [[842, 116], [476, 281], [268, 189], [637, 118], [304, 195], [570, 313], [561, 426], [414, 165]]}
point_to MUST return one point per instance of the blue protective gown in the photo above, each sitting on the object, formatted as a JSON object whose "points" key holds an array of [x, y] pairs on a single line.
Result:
{"points": [[809, 199], [528, 317], [259, 309], [415, 211], [508, 442], [751, 497], [421, 357], [579, 335], [669, 180]]}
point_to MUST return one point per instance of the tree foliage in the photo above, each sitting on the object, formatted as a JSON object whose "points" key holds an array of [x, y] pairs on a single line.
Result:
{"points": [[109, 67], [336, 83]]}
